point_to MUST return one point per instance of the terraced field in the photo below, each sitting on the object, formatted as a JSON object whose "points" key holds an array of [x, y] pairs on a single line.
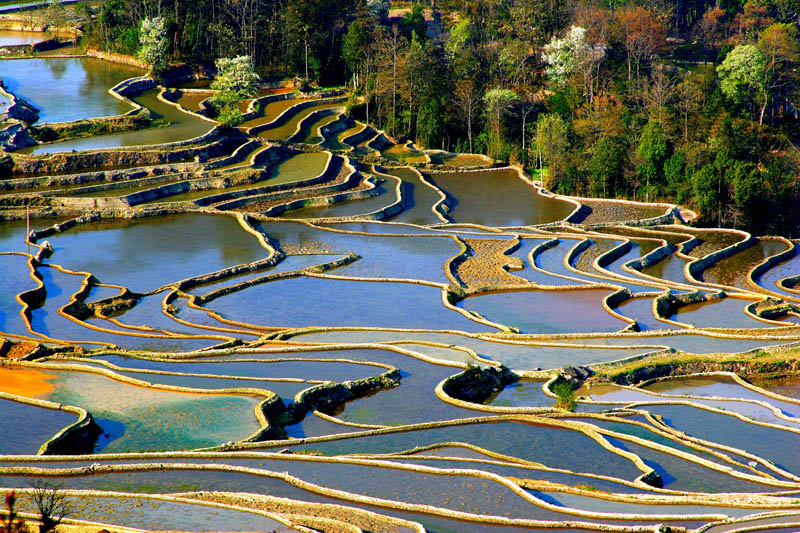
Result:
{"points": [[335, 332]]}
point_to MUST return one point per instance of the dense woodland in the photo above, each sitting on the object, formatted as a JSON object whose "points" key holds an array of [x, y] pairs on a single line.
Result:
{"points": [[689, 101]]}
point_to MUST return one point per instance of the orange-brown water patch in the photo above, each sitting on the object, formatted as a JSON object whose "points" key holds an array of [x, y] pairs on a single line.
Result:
{"points": [[24, 382]]}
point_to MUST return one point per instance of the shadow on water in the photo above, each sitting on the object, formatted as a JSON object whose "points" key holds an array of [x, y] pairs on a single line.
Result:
{"points": [[112, 430]]}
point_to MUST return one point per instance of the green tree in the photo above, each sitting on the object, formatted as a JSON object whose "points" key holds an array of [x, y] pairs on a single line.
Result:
{"points": [[741, 73], [354, 48], [379, 9], [154, 44], [55, 15], [652, 152], [606, 166], [552, 145], [675, 175], [498, 104], [750, 192], [763, 71], [460, 36], [705, 191], [414, 22]]}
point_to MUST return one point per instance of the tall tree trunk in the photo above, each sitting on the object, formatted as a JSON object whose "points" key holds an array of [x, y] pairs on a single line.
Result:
{"points": [[469, 129]]}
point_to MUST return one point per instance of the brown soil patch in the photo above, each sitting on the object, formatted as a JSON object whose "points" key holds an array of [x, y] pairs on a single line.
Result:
{"points": [[367, 521], [604, 212], [21, 349], [191, 100], [23, 382], [485, 267]]}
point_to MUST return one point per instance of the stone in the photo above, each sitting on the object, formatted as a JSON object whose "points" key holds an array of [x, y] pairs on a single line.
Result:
{"points": [[16, 137]]}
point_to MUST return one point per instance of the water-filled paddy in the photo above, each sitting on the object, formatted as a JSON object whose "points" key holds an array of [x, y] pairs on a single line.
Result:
{"points": [[16, 38], [725, 313], [298, 167], [181, 127], [289, 127], [66, 89], [733, 271], [421, 258], [775, 445], [384, 196], [369, 304], [152, 514], [136, 418], [310, 133], [40, 425], [420, 201], [498, 198], [641, 310], [147, 253], [533, 311], [16, 278], [519, 355]]}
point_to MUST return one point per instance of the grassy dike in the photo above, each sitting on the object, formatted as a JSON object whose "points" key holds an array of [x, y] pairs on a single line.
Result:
{"points": [[759, 366]]}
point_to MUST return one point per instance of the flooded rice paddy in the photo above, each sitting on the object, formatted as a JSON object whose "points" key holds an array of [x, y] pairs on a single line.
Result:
{"points": [[269, 347]]}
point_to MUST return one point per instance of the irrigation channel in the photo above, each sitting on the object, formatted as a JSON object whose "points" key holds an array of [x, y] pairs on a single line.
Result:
{"points": [[301, 325]]}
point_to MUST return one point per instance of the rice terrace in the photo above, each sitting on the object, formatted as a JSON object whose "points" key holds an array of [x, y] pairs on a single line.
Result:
{"points": [[412, 267]]}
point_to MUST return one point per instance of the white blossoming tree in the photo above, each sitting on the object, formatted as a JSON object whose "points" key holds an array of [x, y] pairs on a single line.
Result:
{"points": [[236, 81], [154, 44], [565, 56]]}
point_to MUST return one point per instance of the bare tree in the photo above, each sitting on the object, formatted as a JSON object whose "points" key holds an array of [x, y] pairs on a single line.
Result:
{"points": [[643, 35], [660, 93], [468, 100], [687, 102], [51, 504]]}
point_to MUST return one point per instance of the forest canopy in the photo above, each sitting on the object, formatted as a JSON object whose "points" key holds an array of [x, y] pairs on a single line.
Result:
{"points": [[694, 102]]}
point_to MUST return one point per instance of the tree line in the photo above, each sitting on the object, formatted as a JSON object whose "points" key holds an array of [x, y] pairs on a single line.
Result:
{"points": [[694, 102]]}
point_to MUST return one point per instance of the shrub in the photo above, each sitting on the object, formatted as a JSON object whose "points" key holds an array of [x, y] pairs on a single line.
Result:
{"points": [[229, 117], [565, 394]]}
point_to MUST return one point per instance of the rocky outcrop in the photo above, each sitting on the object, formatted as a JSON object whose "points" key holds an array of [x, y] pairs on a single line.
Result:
{"points": [[653, 479], [668, 303], [23, 350], [476, 385], [20, 110], [115, 306], [326, 398], [15, 137], [772, 308], [17, 109]]}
